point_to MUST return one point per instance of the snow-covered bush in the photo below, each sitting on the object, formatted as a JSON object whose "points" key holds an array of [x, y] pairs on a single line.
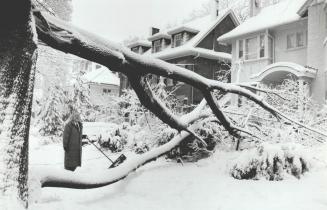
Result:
{"points": [[191, 149], [271, 162], [117, 138], [50, 118]]}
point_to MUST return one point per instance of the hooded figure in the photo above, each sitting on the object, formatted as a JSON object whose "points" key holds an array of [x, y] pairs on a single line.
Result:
{"points": [[72, 142]]}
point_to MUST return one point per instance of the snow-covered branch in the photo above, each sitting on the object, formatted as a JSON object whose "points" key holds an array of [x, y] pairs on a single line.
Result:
{"points": [[65, 37], [66, 179]]}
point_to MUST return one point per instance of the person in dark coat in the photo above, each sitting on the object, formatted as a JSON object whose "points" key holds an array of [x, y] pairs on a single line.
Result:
{"points": [[72, 142]]}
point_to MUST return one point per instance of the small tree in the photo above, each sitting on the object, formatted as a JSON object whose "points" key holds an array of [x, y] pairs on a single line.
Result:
{"points": [[51, 117]]}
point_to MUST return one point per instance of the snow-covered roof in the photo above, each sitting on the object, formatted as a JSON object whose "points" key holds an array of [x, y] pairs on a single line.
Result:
{"points": [[144, 43], [159, 35], [181, 29], [269, 17], [204, 25], [102, 76]]}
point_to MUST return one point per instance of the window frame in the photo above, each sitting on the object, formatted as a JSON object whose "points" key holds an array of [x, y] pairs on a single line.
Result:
{"points": [[180, 38], [259, 38], [296, 36], [157, 47]]}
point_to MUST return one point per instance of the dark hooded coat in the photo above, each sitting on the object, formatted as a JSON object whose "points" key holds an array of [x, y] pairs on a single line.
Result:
{"points": [[72, 142]]}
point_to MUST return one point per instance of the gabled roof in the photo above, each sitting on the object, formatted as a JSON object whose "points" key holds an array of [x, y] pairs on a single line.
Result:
{"points": [[102, 76], [269, 17], [204, 25]]}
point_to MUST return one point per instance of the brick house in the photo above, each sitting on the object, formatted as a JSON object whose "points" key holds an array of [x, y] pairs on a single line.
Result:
{"points": [[279, 40], [192, 45]]}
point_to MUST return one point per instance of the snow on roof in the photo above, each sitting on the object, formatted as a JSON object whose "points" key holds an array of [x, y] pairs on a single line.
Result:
{"points": [[159, 35], [195, 51], [204, 25], [181, 29], [272, 16], [102, 76], [144, 43]]}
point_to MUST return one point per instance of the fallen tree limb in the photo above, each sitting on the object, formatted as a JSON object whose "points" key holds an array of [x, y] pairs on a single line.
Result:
{"points": [[67, 179]]}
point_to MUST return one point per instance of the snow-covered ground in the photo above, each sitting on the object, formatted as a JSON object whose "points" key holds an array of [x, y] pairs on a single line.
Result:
{"points": [[169, 185]]}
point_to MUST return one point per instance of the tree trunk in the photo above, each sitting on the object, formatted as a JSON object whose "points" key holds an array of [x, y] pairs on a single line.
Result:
{"points": [[17, 67]]}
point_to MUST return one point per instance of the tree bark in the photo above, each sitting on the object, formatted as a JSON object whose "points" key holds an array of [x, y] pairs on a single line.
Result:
{"points": [[17, 66]]}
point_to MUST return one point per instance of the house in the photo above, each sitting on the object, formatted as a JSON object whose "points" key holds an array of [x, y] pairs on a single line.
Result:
{"points": [[281, 40], [192, 45], [103, 85]]}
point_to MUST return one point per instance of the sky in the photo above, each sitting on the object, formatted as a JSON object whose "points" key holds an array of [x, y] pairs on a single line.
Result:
{"points": [[118, 20]]}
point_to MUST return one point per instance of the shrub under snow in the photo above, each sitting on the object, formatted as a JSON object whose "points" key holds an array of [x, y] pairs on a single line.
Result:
{"points": [[271, 162]]}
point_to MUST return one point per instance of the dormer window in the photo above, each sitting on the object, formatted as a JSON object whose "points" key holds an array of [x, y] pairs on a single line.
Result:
{"points": [[178, 39], [157, 46]]}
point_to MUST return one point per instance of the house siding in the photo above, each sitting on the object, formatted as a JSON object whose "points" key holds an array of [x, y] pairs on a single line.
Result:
{"points": [[97, 96], [316, 57], [282, 54]]}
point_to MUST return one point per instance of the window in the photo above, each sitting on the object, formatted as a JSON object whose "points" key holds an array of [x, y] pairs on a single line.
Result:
{"points": [[251, 48], [295, 40], [178, 40], [240, 48], [170, 82], [106, 91], [300, 39], [97, 66], [262, 46], [257, 47], [157, 46], [290, 41], [135, 49]]}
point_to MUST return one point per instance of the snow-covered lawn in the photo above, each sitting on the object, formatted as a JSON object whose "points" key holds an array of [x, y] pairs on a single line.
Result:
{"points": [[169, 185]]}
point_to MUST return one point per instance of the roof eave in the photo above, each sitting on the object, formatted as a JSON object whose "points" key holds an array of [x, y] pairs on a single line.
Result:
{"points": [[304, 8], [229, 39]]}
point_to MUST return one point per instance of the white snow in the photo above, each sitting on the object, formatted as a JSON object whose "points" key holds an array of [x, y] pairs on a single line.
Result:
{"points": [[102, 76], [173, 186], [144, 43], [186, 50], [272, 16]]}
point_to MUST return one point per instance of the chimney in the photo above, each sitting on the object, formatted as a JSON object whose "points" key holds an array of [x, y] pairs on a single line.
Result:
{"points": [[215, 9], [255, 7], [154, 31]]}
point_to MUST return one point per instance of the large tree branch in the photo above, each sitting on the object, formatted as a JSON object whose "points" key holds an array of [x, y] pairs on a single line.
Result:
{"points": [[66, 179], [118, 58]]}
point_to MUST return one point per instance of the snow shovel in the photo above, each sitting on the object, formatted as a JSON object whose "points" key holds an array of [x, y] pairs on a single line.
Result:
{"points": [[115, 163]]}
